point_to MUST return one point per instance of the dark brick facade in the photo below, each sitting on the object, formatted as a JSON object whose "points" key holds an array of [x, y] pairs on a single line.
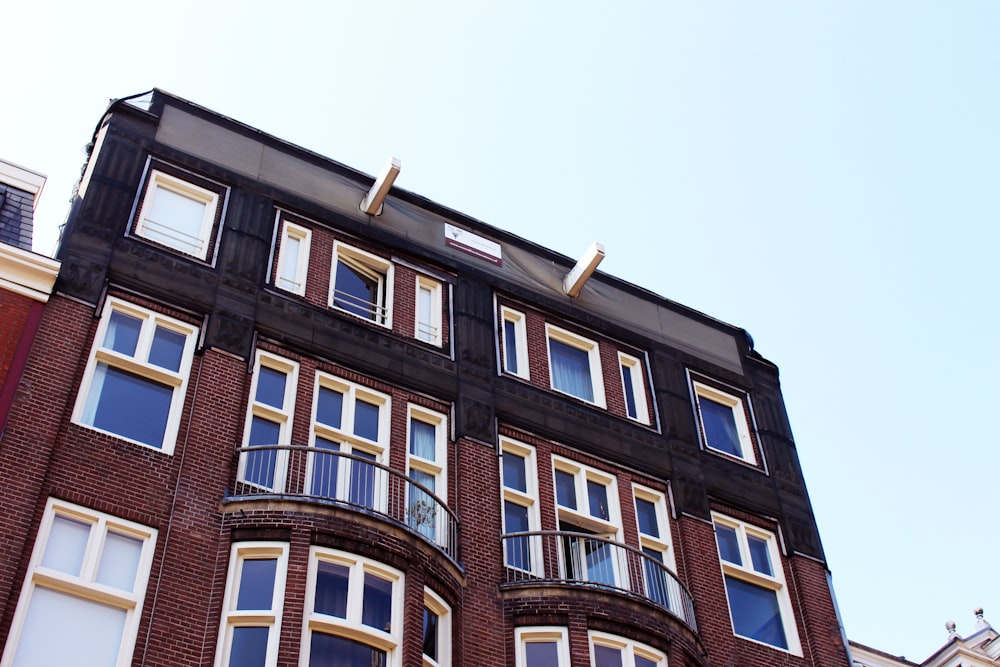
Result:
{"points": [[200, 506]]}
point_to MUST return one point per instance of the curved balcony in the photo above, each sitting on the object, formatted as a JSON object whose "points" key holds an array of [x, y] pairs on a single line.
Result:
{"points": [[561, 557], [329, 477]]}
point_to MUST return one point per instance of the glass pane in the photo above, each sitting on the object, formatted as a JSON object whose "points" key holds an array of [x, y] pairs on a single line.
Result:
{"points": [[605, 656], [324, 470], [656, 578], [61, 629], [571, 370], [645, 511], [720, 427], [422, 512], [128, 405], [430, 634], [257, 583], [426, 330], [514, 472], [518, 548], [329, 407], [167, 349], [123, 333], [331, 589], [600, 562], [175, 220], [119, 561], [249, 647], [261, 463], [271, 387], [510, 346], [645, 662], [597, 497], [366, 420], [289, 263], [356, 292], [630, 409], [422, 439], [759, 555], [541, 654], [729, 546], [66, 546], [362, 491], [376, 610], [755, 612], [565, 490], [332, 651]]}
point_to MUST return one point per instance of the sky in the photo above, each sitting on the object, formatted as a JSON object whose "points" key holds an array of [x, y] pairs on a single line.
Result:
{"points": [[823, 174]]}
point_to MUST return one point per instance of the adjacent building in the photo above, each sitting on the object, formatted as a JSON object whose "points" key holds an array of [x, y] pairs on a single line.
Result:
{"points": [[981, 648], [282, 413]]}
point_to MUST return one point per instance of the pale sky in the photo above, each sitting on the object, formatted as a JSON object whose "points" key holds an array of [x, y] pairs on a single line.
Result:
{"points": [[823, 174]]}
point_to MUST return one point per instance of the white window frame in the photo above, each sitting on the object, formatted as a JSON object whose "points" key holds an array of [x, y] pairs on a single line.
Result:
{"points": [[662, 544], [136, 364], [281, 415], [582, 515], [434, 603], [438, 468], [746, 572], [147, 228], [85, 585], [365, 262], [592, 348], [629, 649], [429, 332], [269, 618], [527, 499], [345, 437], [547, 634], [295, 284], [351, 627], [638, 386], [520, 342], [738, 405]]}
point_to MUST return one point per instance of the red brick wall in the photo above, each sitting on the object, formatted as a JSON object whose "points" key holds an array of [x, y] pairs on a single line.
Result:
{"points": [[14, 309]]}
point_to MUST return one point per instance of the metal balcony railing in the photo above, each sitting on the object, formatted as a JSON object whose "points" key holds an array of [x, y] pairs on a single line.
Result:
{"points": [[348, 480], [556, 556]]}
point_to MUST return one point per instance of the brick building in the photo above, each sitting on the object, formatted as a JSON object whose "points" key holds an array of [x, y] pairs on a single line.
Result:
{"points": [[26, 278], [282, 414]]}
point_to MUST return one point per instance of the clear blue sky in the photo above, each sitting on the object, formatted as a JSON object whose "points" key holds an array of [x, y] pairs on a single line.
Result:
{"points": [[823, 174]]}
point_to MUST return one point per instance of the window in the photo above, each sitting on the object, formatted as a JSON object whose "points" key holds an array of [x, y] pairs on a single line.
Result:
{"points": [[759, 604], [723, 421], [437, 631], [634, 388], [612, 651], [293, 258], [587, 505], [654, 540], [354, 612], [251, 617], [84, 590], [541, 647], [361, 284], [352, 420], [519, 478], [269, 422], [426, 463], [177, 214], [428, 311], [575, 366], [515, 343], [137, 375]]}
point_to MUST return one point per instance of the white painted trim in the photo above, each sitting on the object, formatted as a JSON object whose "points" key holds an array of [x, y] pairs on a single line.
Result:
{"points": [[27, 273], [22, 179]]}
